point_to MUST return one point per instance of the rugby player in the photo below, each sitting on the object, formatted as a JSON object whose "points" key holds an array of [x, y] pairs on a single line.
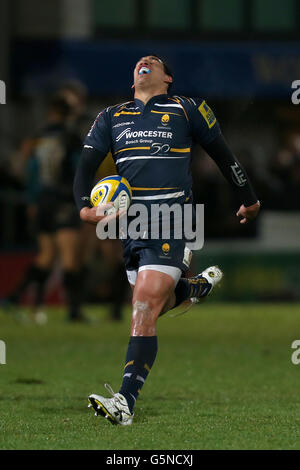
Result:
{"points": [[50, 173], [150, 139]]}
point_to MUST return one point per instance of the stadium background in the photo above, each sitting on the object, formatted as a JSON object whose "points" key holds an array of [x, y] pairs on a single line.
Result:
{"points": [[240, 55]]}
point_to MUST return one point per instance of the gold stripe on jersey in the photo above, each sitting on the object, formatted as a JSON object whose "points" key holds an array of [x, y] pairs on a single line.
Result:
{"points": [[186, 98], [132, 148], [127, 112], [178, 102], [120, 105], [164, 112], [185, 150]]}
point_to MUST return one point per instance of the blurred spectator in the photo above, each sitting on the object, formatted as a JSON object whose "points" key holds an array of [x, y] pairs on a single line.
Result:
{"points": [[52, 157], [75, 94], [42, 154], [286, 168]]}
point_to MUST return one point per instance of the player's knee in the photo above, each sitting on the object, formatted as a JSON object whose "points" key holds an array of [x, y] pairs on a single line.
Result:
{"points": [[143, 319], [145, 301], [141, 309], [145, 312]]}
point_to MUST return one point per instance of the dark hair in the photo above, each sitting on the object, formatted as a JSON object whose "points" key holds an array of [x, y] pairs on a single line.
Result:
{"points": [[59, 105], [75, 86], [167, 69]]}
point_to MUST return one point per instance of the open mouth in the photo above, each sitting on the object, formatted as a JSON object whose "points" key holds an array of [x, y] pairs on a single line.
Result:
{"points": [[144, 70]]}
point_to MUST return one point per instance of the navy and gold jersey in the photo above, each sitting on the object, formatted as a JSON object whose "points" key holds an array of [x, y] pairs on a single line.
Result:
{"points": [[151, 144]]}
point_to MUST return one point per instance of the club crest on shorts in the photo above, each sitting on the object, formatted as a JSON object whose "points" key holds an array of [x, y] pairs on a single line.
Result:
{"points": [[165, 248]]}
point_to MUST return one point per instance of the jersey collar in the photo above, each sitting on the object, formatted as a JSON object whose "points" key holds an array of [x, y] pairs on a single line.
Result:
{"points": [[158, 98]]}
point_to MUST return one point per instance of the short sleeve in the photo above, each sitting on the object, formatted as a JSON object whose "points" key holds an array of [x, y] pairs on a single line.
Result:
{"points": [[204, 125], [99, 136]]}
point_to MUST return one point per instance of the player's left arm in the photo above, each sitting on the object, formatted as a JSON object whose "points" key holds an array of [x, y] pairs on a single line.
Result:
{"points": [[237, 177], [206, 131]]}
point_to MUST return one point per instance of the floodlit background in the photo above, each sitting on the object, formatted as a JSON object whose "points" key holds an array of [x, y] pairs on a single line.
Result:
{"points": [[240, 55], [224, 376]]}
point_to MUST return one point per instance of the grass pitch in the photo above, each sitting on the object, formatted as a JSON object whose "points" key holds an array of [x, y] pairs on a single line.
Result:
{"points": [[223, 379]]}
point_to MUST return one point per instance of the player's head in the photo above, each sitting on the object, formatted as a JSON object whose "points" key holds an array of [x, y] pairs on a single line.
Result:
{"points": [[150, 72], [58, 109], [75, 94]]}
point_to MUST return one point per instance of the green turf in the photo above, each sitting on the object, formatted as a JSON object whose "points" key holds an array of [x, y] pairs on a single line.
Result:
{"points": [[223, 379]]}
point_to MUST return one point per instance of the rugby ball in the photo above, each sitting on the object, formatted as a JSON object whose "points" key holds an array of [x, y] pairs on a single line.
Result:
{"points": [[115, 189]]}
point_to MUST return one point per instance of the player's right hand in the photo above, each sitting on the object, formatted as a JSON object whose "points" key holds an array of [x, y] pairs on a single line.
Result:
{"points": [[93, 215], [248, 213]]}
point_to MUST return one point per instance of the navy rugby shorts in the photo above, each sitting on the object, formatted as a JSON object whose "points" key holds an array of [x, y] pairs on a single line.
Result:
{"points": [[169, 256]]}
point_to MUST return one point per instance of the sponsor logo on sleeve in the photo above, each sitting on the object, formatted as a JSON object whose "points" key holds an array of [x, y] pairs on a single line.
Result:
{"points": [[238, 175], [208, 114]]}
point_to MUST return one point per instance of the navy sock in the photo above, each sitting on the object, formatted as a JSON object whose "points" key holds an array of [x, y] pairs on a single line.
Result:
{"points": [[191, 287], [140, 357], [182, 291]]}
